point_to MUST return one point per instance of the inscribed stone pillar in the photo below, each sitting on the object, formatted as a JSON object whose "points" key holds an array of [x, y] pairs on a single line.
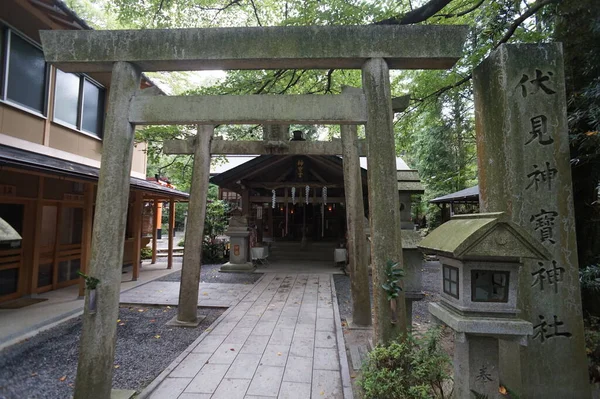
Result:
{"points": [[384, 211], [98, 336], [523, 154], [359, 272], [187, 311]]}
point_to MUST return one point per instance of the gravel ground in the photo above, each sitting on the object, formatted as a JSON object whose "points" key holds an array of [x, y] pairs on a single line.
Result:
{"points": [[45, 366], [431, 286], [211, 274]]}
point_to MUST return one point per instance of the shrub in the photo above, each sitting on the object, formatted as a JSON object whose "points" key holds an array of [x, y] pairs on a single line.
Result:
{"points": [[212, 252], [146, 253], [592, 347], [181, 242], [415, 368]]}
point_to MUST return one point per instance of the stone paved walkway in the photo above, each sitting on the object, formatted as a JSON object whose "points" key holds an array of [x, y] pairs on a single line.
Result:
{"points": [[167, 293], [281, 340]]}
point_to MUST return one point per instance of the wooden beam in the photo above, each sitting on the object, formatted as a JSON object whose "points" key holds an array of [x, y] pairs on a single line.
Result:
{"points": [[249, 109], [276, 185], [274, 47], [318, 200], [171, 232], [57, 234], [227, 147], [39, 208], [154, 233], [86, 239], [138, 210]]}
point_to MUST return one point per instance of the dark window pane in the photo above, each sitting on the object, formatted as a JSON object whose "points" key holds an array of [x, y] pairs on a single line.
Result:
{"points": [[67, 270], [93, 108], [489, 286], [26, 74], [9, 281], [45, 275], [71, 227], [66, 100]]}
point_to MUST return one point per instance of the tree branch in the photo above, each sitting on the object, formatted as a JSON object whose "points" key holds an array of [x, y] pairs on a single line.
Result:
{"points": [[534, 8], [464, 12], [511, 30], [328, 87], [255, 12], [418, 15]]}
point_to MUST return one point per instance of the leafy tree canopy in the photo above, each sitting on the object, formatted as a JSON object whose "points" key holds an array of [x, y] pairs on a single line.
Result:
{"points": [[436, 133]]}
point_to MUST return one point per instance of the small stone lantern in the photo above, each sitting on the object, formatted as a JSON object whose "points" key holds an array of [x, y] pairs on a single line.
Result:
{"points": [[481, 257], [238, 233]]}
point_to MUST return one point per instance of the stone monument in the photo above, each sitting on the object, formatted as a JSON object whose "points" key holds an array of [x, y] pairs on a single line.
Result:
{"points": [[481, 257], [238, 233], [524, 170]]}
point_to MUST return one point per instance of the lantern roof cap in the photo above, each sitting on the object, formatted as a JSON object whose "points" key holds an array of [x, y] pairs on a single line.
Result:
{"points": [[7, 233], [483, 236]]}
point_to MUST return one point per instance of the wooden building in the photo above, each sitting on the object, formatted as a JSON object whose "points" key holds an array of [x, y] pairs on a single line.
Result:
{"points": [[51, 126], [272, 190]]}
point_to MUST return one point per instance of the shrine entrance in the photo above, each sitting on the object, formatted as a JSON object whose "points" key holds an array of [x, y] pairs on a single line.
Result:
{"points": [[290, 199]]}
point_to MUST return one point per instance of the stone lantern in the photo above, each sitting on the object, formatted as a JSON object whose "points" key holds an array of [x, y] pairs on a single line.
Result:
{"points": [[238, 233], [481, 255]]}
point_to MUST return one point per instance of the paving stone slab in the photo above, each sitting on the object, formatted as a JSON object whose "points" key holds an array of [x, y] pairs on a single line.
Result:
{"points": [[232, 389], [244, 366], [326, 359], [266, 381], [298, 369], [170, 387], [208, 379], [326, 384], [294, 390], [191, 365]]}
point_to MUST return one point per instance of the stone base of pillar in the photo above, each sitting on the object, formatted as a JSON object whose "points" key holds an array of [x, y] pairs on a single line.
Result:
{"points": [[237, 267], [352, 326], [176, 323], [476, 366]]}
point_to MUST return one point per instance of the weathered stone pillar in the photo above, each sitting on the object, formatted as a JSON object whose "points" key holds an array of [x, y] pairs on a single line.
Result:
{"points": [[384, 207], [523, 154], [187, 312], [359, 271], [98, 336], [475, 366]]}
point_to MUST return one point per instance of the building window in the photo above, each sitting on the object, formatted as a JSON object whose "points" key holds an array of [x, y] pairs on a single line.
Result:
{"points": [[25, 73], [451, 281], [79, 102], [489, 286]]}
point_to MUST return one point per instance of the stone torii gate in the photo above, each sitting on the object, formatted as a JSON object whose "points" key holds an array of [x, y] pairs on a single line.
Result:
{"points": [[373, 49]]}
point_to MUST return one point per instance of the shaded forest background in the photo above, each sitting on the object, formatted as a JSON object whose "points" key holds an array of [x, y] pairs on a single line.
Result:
{"points": [[436, 134]]}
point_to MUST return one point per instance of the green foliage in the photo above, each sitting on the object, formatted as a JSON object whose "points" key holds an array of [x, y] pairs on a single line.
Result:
{"points": [[415, 368], [215, 222], [181, 242], [589, 278], [146, 253], [90, 282], [393, 276], [213, 252], [436, 133], [592, 347]]}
